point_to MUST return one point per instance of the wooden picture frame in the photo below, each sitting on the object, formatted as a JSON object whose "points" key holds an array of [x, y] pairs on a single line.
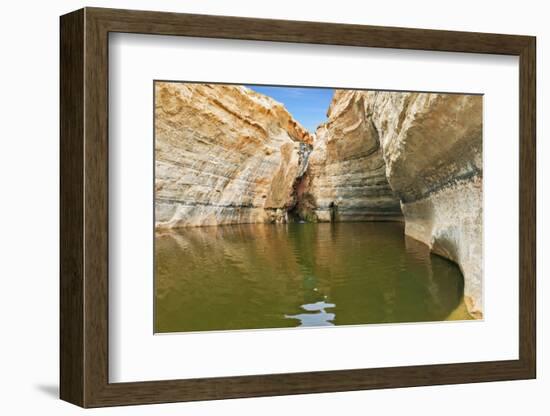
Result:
{"points": [[84, 207]]}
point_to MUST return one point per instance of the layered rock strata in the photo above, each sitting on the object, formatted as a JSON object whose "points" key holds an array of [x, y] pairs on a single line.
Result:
{"points": [[432, 148], [223, 155], [346, 176]]}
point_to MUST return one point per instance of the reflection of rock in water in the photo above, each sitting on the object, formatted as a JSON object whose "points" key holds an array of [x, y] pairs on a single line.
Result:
{"points": [[320, 318], [256, 276]]}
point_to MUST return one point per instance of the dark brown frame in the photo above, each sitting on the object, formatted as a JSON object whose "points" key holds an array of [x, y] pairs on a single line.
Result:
{"points": [[84, 207]]}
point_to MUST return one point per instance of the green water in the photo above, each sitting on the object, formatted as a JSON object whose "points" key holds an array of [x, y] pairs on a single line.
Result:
{"points": [[275, 276]]}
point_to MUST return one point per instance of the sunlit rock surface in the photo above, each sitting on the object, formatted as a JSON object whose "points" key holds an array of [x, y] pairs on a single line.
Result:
{"points": [[224, 154], [433, 151], [346, 176]]}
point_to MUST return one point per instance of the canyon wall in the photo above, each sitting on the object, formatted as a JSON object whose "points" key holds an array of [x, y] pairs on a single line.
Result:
{"points": [[346, 176], [223, 155], [432, 148]]}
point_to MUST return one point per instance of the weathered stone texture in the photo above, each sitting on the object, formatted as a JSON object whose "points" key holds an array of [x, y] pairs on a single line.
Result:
{"points": [[346, 175], [379, 150], [224, 154], [433, 151]]}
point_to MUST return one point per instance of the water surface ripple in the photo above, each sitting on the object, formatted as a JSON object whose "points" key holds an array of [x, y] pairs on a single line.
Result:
{"points": [[256, 276]]}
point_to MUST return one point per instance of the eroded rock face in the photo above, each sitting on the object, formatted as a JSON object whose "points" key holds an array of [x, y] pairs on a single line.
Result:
{"points": [[432, 148], [223, 155], [346, 176]]}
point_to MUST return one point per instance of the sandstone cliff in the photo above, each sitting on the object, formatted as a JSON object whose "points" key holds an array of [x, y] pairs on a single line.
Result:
{"points": [[432, 148], [224, 154], [346, 175]]}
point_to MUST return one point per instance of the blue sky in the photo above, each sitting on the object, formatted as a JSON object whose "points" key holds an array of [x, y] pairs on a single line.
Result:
{"points": [[307, 105]]}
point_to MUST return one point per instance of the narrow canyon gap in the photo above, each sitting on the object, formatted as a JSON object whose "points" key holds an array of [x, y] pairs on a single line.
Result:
{"points": [[225, 154]]}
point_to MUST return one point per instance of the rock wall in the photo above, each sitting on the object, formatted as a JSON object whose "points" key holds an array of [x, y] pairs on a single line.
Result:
{"points": [[432, 148], [346, 176], [224, 154]]}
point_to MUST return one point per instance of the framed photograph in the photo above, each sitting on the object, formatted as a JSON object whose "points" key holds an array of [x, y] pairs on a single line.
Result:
{"points": [[255, 207]]}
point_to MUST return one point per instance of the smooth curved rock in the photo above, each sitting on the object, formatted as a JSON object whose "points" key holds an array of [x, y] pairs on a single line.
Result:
{"points": [[432, 147], [223, 155], [346, 176]]}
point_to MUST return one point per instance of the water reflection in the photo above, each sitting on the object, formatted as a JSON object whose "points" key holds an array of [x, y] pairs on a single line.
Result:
{"points": [[274, 276]]}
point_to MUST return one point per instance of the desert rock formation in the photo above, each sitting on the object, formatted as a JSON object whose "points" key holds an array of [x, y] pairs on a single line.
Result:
{"points": [[346, 176], [432, 148], [224, 154]]}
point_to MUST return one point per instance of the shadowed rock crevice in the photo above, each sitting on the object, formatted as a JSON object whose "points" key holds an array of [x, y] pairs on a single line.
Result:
{"points": [[346, 175]]}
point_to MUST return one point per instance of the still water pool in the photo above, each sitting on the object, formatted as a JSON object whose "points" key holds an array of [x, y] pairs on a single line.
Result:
{"points": [[274, 276]]}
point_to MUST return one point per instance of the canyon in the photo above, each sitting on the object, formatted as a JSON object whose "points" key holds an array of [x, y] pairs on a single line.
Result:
{"points": [[228, 155]]}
